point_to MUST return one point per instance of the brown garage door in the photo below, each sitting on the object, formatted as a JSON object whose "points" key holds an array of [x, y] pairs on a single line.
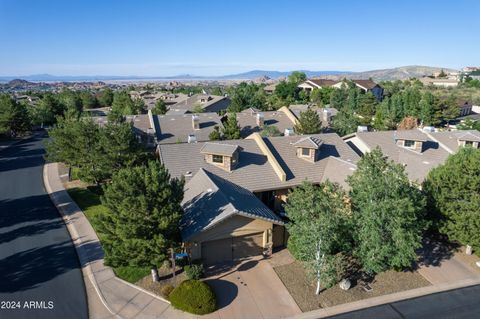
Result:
{"points": [[217, 250], [246, 246], [227, 249]]}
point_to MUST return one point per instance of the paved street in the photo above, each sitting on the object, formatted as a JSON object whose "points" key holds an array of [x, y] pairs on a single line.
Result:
{"points": [[38, 262], [455, 304]]}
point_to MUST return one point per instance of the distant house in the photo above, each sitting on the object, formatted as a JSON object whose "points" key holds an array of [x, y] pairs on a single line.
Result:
{"points": [[235, 190], [417, 150], [270, 89], [311, 84], [465, 107], [252, 120], [439, 82], [365, 86], [207, 102]]}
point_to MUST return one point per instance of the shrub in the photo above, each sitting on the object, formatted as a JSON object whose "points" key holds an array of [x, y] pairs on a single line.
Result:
{"points": [[193, 271], [167, 290], [193, 296]]}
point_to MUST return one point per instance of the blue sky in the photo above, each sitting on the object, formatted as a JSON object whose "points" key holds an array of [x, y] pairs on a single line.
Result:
{"points": [[86, 37]]}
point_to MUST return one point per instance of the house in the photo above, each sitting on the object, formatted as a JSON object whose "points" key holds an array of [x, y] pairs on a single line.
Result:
{"points": [[465, 107], [439, 82], [326, 114], [311, 84], [365, 86], [270, 89], [186, 128], [419, 151], [235, 189], [252, 120], [207, 102]]}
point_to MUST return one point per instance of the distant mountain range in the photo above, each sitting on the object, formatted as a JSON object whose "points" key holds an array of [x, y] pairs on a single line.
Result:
{"points": [[399, 73]]}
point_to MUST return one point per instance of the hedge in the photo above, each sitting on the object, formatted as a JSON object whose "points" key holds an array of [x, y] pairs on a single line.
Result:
{"points": [[193, 296]]}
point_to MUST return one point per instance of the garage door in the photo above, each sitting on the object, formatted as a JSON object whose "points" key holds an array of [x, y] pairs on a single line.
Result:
{"points": [[232, 248], [217, 250], [246, 246]]}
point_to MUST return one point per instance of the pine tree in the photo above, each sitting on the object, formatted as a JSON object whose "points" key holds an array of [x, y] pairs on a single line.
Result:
{"points": [[215, 134], [308, 123], [453, 191], [231, 130], [388, 214], [160, 108], [319, 229], [144, 212]]}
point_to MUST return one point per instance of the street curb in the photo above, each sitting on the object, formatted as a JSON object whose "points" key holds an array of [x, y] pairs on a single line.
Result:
{"points": [[76, 239], [382, 300]]}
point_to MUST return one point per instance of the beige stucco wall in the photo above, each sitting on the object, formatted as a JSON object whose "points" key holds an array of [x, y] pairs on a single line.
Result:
{"points": [[232, 227]]}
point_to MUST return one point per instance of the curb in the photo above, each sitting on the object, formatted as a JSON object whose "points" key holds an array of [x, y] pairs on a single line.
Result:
{"points": [[386, 299], [76, 239]]}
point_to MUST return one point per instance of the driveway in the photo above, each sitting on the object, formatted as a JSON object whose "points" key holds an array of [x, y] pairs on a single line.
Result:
{"points": [[250, 289], [440, 264]]}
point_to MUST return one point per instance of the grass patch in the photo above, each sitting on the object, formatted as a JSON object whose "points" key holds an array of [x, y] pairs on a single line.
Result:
{"points": [[88, 199], [131, 274]]}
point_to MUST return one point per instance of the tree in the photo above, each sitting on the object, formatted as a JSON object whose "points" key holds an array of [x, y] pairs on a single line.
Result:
{"points": [[197, 109], [297, 77], [451, 110], [308, 123], [70, 100], [106, 98], [367, 105], [14, 117], [322, 96], [388, 214], [231, 130], [345, 123], [215, 134], [143, 218], [160, 108], [245, 95], [338, 98], [89, 101], [270, 130], [319, 229], [453, 192], [469, 124], [123, 104], [442, 74], [408, 123]]}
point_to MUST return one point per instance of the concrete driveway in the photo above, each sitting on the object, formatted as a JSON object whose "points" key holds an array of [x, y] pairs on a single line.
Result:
{"points": [[249, 289]]}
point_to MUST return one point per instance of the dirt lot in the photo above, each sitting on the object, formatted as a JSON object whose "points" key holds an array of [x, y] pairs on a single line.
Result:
{"points": [[303, 290]]}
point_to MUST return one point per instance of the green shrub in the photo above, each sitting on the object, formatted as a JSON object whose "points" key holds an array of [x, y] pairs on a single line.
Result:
{"points": [[193, 271], [193, 296], [167, 290]]}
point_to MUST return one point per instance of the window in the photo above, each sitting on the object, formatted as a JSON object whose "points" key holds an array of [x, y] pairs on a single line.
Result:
{"points": [[409, 143], [217, 159], [305, 152]]}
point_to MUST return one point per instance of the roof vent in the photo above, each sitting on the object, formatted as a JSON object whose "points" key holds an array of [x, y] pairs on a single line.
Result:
{"points": [[289, 132], [362, 129], [188, 174], [192, 138], [195, 122]]}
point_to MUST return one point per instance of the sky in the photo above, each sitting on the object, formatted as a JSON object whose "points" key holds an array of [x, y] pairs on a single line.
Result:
{"points": [[210, 37]]}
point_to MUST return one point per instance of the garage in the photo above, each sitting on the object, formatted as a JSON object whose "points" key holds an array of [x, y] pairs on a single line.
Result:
{"points": [[232, 248]]}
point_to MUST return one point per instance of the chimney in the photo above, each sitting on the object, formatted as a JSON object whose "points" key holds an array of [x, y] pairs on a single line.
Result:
{"points": [[326, 115], [195, 122], [260, 119], [192, 138], [289, 132]]}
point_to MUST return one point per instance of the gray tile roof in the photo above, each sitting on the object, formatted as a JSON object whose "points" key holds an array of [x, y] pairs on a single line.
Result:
{"points": [[210, 101], [309, 142], [176, 128], [253, 170], [450, 138], [299, 108], [247, 120], [210, 199], [417, 165], [219, 149], [412, 135]]}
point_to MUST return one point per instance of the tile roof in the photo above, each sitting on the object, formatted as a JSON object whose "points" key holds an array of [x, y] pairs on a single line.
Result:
{"points": [[309, 142], [210, 199], [247, 120], [195, 100], [417, 165], [413, 135], [322, 82], [299, 108], [253, 170], [368, 84], [449, 139], [219, 149], [176, 128]]}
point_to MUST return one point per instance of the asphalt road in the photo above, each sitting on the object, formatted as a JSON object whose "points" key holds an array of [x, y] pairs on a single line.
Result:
{"points": [[40, 276], [461, 303]]}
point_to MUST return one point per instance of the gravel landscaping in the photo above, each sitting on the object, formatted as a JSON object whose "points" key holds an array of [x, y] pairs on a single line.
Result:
{"points": [[165, 279], [302, 289]]}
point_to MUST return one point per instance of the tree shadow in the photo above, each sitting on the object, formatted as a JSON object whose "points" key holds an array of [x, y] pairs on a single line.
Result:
{"points": [[225, 291], [435, 249]]}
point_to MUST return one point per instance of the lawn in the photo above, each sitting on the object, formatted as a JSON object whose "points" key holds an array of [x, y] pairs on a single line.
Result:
{"points": [[302, 289], [88, 199]]}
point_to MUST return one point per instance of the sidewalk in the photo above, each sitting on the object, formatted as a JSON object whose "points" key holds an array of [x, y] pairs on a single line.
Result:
{"points": [[108, 296]]}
